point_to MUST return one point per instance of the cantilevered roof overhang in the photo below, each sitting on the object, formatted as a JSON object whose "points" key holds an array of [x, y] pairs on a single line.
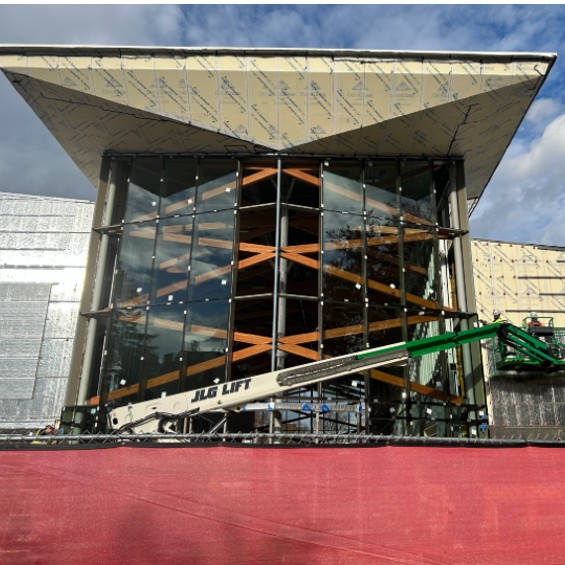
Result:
{"points": [[96, 100]]}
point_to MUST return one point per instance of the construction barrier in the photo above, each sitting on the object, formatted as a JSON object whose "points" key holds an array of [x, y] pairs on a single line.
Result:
{"points": [[148, 504]]}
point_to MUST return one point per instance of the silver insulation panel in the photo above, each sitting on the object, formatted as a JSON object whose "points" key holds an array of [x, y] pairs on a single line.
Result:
{"points": [[43, 252]]}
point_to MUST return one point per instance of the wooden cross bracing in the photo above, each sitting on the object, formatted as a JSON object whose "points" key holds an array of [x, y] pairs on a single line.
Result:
{"points": [[251, 253]]}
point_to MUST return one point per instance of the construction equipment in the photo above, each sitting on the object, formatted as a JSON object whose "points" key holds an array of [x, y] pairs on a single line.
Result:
{"points": [[155, 416]]}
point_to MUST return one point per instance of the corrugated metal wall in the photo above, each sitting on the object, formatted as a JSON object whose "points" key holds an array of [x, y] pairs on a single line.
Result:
{"points": [[43, 250]]}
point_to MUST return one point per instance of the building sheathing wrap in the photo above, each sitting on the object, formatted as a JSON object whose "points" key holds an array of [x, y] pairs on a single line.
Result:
{"points": [[450, 115]]}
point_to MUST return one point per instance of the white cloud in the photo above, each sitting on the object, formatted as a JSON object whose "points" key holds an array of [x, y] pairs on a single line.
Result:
{"points": [[542, 112], [91, 24], [525, 199], [523, 190]]}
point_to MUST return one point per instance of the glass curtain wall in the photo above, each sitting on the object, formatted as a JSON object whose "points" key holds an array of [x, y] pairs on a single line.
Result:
{"points": [[226, 269], [173, 279]]}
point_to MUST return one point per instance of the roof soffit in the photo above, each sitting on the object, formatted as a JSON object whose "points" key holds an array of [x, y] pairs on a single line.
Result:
{"points": [[295, 103]]}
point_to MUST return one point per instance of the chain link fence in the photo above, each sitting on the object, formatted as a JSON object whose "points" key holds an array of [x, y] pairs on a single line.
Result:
{"points": [[24, 441]]}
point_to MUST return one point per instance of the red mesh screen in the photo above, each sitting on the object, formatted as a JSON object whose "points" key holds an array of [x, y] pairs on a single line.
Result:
{"points": [[217, 505]]}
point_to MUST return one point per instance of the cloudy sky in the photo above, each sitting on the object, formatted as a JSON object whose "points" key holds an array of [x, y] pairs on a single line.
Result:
{"points": [[524, 200]]}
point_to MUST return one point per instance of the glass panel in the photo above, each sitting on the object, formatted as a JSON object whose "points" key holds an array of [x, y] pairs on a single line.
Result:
{"points": [[172, 258], [256, 260], [381, 200], [441, 187], [217, 184], [382, 220], [179, 189], [163, 349], [304, 248], [342, 186], [420, 264], [303, 319], [143, 190], [132, 283], [386, 403], [212, 255], [343, 257], [417, 203], [420, 247], [206, 342], [259, 183], [343, 328], [124, 352], [386, 384], [253, 317], [300, 184], [384, 325]]}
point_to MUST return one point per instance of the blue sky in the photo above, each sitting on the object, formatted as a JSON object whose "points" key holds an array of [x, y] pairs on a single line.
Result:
{"points": [[524, 200]]}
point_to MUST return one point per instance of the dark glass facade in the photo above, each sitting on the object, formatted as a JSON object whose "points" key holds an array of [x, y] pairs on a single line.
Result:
{"points": [[216, 269]]}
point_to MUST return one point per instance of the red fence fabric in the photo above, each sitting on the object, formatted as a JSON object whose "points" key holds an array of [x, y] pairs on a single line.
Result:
{"points": [[330, 505]]}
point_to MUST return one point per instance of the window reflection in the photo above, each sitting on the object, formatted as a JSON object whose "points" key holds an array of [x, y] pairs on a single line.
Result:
{"points": [[178, 193], [343, 188], [163, 349], [172, 260], [343, 256], [124, 352], [212, 256], [217, 186], [142, 201], [205, 342], [132, 283]]}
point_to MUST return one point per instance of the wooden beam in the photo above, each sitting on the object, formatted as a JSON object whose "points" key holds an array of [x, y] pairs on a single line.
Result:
{"points": [[172, 288], [306, 248], [376, 326], [302, 175], [147, 233], [254, 260], [174, 261], [260, 175], [297, 258], [299, 338], [146, 217], [383, 288], [178, 206], [218, 190], [206, 365], [300, 351], [386, 258], [250, 351], [256, 248], [212, 274], [218, 243], [415, 387]]}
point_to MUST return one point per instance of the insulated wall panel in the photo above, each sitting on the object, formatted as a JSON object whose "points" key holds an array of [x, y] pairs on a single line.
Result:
{"points": [[43, 248]]}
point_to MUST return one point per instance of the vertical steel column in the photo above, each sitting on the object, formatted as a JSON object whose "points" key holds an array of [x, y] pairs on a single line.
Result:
{"points": [[366, 315], [460, 279], [98, 284], [402, 280], [477, 382], [276, 287], [443, 360], [283, 275]]}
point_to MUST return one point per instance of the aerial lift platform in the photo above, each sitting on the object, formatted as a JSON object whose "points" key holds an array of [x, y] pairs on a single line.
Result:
{"points": [[154, 416]]}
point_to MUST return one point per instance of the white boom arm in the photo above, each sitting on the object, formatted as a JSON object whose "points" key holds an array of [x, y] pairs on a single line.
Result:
{"points": [[144, 417]]}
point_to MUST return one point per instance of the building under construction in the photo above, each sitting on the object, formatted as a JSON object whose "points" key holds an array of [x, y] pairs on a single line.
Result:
{"points": [[261, 209]]}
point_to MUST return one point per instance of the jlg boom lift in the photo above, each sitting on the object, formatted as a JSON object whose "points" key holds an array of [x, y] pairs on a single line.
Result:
{"points": [[152, 416]]}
